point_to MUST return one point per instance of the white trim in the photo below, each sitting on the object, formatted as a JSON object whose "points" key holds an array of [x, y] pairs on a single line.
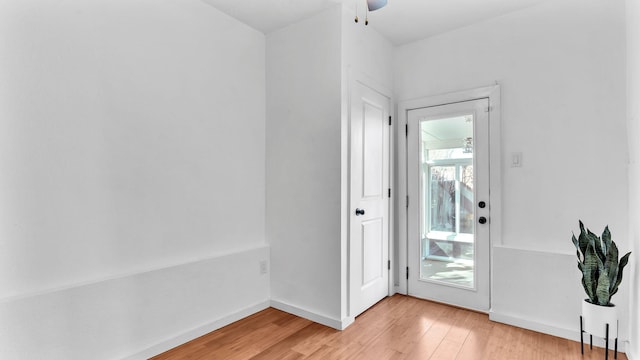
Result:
{"points": [[123, 275], [453, 97], [392, 200], [541, 251], [372, 83], [401, 287], [571, 334], [495, 161], [313, 316], [187, 336]]}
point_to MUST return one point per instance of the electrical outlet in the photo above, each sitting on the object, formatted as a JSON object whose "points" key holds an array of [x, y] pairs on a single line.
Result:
{"points": [[263, 267], [516, 159]]}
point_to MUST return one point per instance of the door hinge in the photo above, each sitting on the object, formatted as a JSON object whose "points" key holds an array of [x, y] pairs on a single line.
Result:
{"points": [[488, 109], [388, 264], [389, 192], [406, 130], [389, 120], [407, 201], [407, 273]]}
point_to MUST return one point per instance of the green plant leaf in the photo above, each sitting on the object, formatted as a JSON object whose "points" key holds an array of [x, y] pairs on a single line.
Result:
{"points": [[583, 241], [579, 252], [623, 262], [595, 241], [611, 265], [606, 239], [602, 291], [590, 273], [586, 286]]}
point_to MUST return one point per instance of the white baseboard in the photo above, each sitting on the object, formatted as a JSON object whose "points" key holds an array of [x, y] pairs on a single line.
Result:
{"points": [[571, 334], [197, 332], [630, 354], [310, 315], [250, 310]]}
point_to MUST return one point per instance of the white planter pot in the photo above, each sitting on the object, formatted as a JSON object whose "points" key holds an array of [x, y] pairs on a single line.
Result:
{"points": [[595, 318]]}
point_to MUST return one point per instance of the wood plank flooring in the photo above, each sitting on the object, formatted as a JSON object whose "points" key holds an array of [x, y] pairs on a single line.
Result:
{"points": [[398, 327]]}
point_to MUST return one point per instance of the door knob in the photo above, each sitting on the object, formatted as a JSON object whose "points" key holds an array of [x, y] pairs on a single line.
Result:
{"points": [[482, 220], [482, 204], [359, 212]]}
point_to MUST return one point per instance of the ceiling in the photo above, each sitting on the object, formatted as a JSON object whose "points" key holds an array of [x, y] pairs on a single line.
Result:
{"points": [[456, 128], [401, 21]]}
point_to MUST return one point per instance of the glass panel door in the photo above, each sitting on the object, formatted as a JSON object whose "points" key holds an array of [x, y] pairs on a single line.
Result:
{"points": [[448, 232]]}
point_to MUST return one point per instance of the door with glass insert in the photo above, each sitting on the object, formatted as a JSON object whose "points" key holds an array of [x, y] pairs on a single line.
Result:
{"points": [[448, 183]]}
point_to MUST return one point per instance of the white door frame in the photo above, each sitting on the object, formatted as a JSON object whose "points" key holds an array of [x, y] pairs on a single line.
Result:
{"points": [[495, 177], [359, 77]]}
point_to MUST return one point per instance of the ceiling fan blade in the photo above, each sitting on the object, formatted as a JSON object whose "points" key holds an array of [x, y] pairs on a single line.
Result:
{"points": [[376, 4]]}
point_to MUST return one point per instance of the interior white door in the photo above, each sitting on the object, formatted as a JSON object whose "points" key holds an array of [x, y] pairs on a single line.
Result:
{"points": [[448, 213], [369, 198]]}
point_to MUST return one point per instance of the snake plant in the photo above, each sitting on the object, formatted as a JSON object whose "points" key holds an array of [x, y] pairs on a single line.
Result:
{"points": [[598, 262]]}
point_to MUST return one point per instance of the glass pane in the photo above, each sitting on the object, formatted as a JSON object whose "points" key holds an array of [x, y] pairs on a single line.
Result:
{"points": [[447, 204], [443, 198], [466, 199]]}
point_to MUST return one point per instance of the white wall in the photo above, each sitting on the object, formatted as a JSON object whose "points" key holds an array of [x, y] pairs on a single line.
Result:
{"points": [[633, 135], [365, 52], [303, 166], [309, 65], [561, 67], [132, 140], [366, 56]]}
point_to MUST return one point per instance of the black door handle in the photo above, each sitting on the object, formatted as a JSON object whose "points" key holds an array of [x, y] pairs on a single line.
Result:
{"points": [[359, 212], [482, 220]]}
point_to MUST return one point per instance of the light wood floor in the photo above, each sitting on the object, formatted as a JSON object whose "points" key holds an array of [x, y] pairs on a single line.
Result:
{"points": [[398, 327]]}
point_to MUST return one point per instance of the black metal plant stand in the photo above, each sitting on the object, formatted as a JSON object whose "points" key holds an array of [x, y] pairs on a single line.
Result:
{"points": [[606, 341]]}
